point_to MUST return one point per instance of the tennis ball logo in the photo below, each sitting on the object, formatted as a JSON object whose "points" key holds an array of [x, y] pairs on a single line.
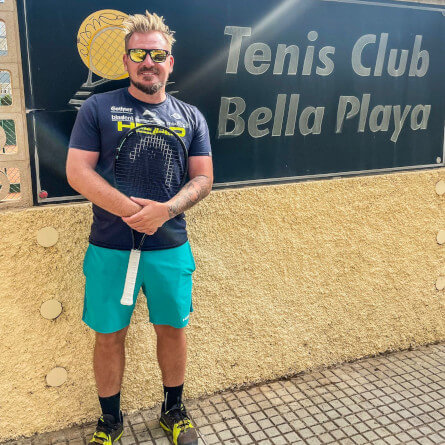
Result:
{"points": [[101, 44]]}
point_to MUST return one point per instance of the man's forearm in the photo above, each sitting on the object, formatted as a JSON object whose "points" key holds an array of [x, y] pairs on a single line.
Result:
{"points": [[97, 190], [195, 190]]}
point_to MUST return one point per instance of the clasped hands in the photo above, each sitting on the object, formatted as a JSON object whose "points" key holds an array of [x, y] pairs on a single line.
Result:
{"points": [[148, 220]]}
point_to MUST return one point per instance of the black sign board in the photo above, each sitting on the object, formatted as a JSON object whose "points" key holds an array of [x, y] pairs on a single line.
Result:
{"points": [[291, 89]]}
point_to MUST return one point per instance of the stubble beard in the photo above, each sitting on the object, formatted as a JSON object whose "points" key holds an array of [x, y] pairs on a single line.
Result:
{"points": [[148, 89]]}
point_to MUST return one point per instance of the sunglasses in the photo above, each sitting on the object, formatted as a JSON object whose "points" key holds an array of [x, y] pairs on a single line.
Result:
{"points": [[157, 55]]}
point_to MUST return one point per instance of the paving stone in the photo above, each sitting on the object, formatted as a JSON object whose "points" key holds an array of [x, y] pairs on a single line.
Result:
{"points": [[130, 440], [143, 436], [252, 408], [227, 414], [127, 432], [297, 424], [318, 429], [220, 426], [305, 433], [292, 437], [201, 421], [326, 438], [204, 430], [239, 431], [359, 439], [259, 435], [361, 427], [252, 427], [212, 439], [284, 428], [139, 427], [220, 407], [245, 440], [349, 431], [310, 421], [272, 432], [436, 439], [338, 434], [161, 441], [241, 411], [213, 418], [265, 423], [225, 435]]}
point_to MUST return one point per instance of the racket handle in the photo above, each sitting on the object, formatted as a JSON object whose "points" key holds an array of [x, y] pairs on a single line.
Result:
{"points": [[130, 279]]}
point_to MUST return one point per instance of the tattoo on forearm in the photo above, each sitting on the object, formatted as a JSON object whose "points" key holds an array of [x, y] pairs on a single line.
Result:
{"points": [[195, 190]]}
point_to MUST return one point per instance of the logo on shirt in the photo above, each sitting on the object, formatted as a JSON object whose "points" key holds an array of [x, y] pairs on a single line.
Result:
{"points": [[176, 116], [152, 118], [124, 126], [121, 117], [115, 109]]}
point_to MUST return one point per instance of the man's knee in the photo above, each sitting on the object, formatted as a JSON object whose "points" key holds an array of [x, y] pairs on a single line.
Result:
{"points": [[169, 332], [114, 339]]}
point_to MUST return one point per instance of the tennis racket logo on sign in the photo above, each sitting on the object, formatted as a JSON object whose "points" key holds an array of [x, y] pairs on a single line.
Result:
{"points": [[101, 44]]}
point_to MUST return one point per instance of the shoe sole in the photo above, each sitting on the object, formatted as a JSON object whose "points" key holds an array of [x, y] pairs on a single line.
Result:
{"points": [[115, 440]]}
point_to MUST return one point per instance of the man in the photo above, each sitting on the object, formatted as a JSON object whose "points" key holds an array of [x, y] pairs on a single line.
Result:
{"points": [[100, 125]]}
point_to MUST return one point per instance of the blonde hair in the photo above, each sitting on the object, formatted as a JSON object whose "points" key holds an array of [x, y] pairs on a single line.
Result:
{"points": [[146, 23]]}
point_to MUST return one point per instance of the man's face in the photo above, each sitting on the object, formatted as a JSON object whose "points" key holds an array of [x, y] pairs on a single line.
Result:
{"points": [[148, 76]]}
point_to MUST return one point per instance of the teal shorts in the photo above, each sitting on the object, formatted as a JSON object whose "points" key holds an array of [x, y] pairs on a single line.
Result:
{"points": [[164, 275]]}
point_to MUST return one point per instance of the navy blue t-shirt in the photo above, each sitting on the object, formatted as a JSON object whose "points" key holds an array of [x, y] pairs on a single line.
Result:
{"points": [[100, 125]]}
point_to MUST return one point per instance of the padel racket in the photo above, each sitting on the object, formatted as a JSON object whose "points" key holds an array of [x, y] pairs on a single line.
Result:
{"points": [[151, 163]]}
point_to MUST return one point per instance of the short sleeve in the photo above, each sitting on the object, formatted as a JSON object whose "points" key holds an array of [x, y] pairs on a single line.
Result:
{"points": [[86, 134], [200, 145]]}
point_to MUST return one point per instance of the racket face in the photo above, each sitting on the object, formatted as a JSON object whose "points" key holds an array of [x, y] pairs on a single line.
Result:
{"points": [[106, 51], [151, 163]]}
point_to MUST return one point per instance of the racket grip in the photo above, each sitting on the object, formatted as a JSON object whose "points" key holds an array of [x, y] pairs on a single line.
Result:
{"points": [[130, 279]]}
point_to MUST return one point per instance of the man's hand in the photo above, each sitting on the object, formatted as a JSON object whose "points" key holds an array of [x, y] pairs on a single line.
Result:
{"points": [[152, 216]]}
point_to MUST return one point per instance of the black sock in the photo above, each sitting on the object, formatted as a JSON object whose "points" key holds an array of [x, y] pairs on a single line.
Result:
{"points": [[172, 396], [111, 405]]}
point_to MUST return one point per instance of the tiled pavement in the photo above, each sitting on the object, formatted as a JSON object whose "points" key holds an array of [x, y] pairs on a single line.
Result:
{"points": [[396, 398]]}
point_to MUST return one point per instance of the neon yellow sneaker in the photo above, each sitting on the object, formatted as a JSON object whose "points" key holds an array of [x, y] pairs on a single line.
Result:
{"points": [[107, 430], [177, 422]]}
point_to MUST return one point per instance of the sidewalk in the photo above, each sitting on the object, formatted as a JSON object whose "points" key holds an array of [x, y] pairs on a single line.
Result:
{"points": [[397, 398]]}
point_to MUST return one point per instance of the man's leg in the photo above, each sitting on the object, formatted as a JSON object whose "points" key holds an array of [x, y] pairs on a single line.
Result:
{"points": [[105, 272], [172, 355], [109, 362]]}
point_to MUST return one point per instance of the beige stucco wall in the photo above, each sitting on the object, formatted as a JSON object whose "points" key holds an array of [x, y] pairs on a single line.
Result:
{"points": [[288, 278]]}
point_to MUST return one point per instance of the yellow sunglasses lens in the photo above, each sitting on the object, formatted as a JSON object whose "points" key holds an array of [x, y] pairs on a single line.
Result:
{"points": [[137, 55], [158, 55]]}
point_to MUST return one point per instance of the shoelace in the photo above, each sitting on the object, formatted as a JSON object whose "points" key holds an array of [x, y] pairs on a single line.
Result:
{"points": [[103, 427], [180, 417]]}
